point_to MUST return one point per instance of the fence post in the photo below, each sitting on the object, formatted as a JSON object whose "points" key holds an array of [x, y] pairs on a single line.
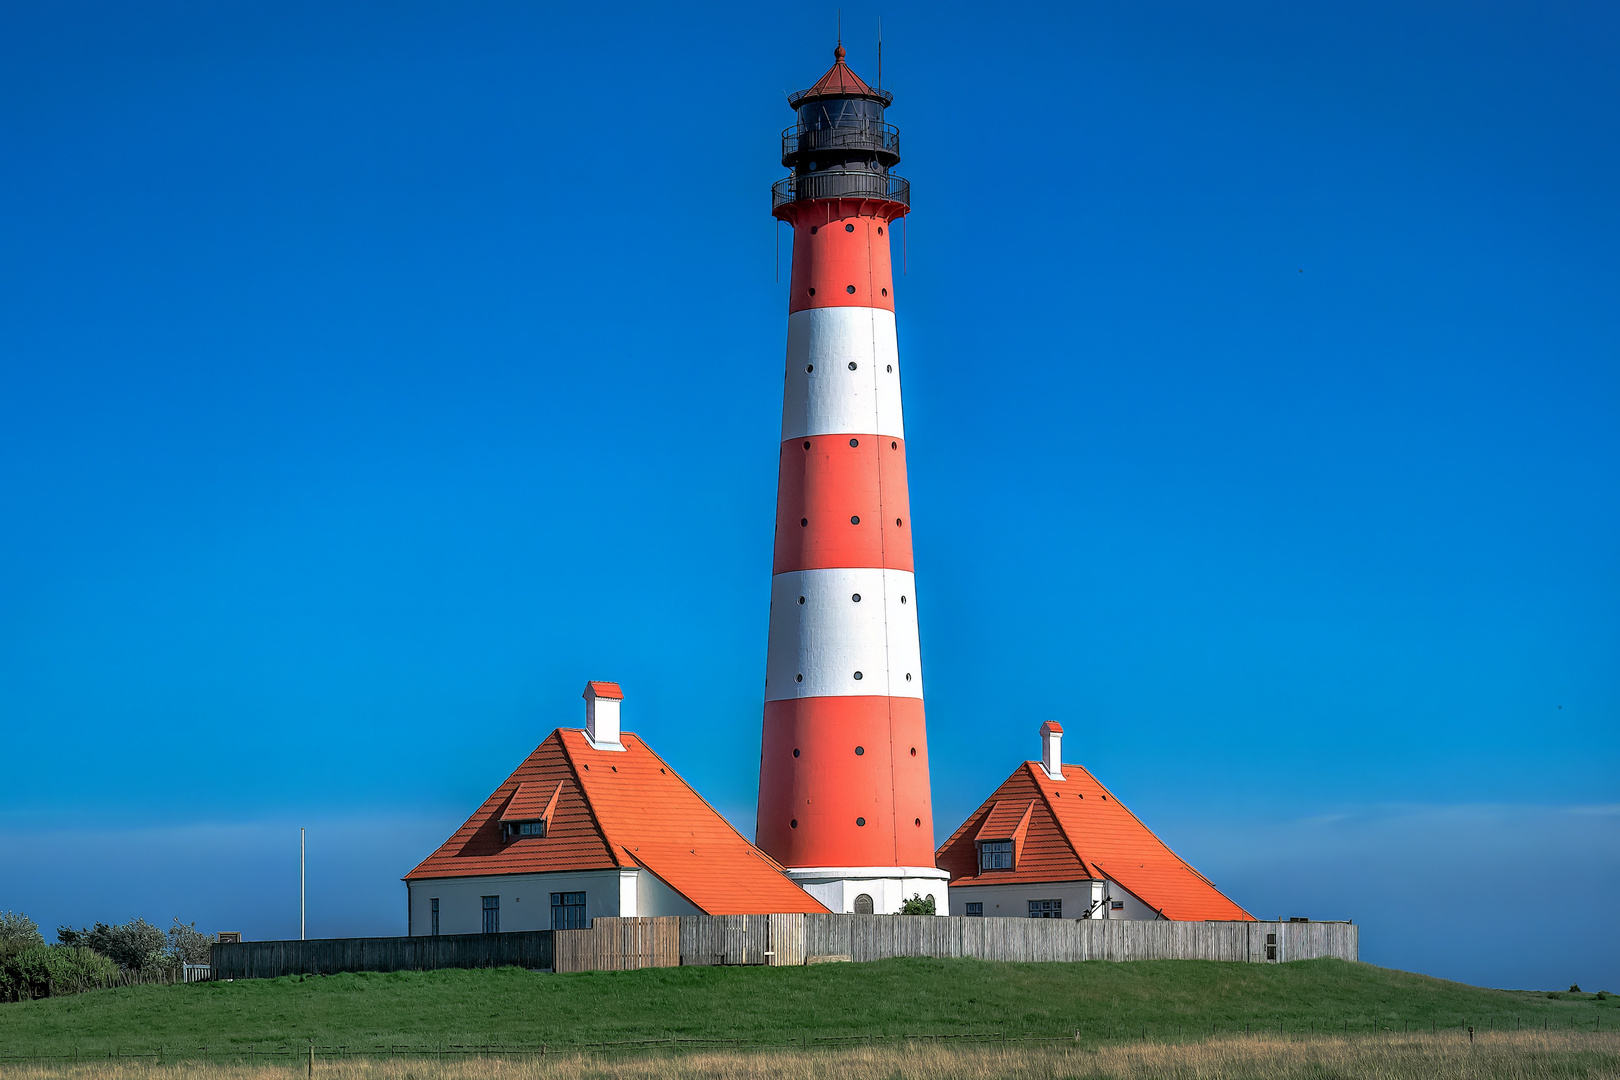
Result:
{"points": [[312, 1059]]}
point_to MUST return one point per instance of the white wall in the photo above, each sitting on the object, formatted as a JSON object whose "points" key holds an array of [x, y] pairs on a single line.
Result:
{"points": [[887, 893], [526, 899], [1011, 901]]}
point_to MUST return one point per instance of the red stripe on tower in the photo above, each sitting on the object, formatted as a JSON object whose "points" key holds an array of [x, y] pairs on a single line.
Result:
{"points": [[844, 800]]}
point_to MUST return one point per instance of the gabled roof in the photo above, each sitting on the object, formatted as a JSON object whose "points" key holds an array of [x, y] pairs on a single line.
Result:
{"points": [[839, 81], [618, 809], [1076, 830], [603, 690]]}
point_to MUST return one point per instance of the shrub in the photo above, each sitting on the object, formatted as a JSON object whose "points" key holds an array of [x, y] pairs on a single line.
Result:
{"points": [[134, 946], [187, 946], [1574, 988], [18, 933], [917, 905], [48, 970]]}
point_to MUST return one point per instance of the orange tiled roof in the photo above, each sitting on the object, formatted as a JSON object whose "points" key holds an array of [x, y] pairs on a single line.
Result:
{"points": [[620, 809], [532, 801], [604, 690], [1076, 830]]}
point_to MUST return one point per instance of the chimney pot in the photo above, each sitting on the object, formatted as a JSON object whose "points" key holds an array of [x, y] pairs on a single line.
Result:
{"points": [[602, 715], [1052, 749]]}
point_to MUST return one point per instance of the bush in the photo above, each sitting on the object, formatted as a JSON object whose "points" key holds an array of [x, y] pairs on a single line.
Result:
{"points": [[134, 946], [18, 933], [48, 970], [1574, 988], [917, 905], [187, 946]]}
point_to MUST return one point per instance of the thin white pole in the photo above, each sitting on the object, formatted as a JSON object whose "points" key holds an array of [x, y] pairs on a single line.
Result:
{"points": [[300, 883]]}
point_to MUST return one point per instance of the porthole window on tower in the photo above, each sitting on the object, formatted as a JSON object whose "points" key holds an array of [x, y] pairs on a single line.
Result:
{"points": [[812, 290], [856, 597], [902, 598], [849, 228], [852, 365], [794, 824], [857, 675], [893, 445], [861, 822], [814, 229], [908, 676], [854, 442], [886, 293], [801, 599], [803, 522], [807, 444], [849, 289], [913, 751], [860, 751], [795, 751], [797, 678], [808, 368], [855, 519], [918, 822], [880, 230]]}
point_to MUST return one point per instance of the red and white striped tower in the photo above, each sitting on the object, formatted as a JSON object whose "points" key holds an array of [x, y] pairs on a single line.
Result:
{"points": [[844, 801]]}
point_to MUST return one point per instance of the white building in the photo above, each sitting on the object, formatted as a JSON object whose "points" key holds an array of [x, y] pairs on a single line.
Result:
{"points": [[1052, 843], [593, 823]]}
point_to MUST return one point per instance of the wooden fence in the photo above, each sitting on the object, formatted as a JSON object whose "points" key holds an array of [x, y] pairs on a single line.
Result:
{"points": [[613, 944], [328, 956]]}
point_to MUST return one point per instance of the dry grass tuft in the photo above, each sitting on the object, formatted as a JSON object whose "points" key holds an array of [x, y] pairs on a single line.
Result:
{"points": [[1503, 1056]]}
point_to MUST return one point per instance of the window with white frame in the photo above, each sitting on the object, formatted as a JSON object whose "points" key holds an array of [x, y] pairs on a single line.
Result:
{"points": [[995, 855], [1046, 909]]}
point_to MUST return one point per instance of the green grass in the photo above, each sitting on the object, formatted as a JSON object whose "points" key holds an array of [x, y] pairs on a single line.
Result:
{"points": [[891, 997]]}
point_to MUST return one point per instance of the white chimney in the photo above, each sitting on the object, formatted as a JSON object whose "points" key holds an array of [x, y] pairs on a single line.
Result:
{"points": [[1052, 749], [602, 715]]}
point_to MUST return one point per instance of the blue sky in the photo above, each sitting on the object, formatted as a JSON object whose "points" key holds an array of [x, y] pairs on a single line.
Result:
{"points": [[373, 375]]}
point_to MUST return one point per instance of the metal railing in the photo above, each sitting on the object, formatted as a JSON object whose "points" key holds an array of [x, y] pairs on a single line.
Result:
{"points": [[841, 185], [870, 136]]}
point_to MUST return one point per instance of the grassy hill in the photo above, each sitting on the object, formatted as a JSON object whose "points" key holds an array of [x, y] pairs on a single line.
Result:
{"points": [[775, 1005]]}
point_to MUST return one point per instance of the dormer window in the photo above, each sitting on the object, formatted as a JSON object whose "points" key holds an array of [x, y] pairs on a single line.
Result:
{"points": [[516, 829], [995, 855]]}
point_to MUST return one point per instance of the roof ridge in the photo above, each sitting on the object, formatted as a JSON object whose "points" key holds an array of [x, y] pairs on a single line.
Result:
{"points": [[585, 797], [1057, 819]]}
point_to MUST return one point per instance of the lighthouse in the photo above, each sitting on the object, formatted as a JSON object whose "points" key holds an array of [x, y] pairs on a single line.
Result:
{"points": [[844, 800]]}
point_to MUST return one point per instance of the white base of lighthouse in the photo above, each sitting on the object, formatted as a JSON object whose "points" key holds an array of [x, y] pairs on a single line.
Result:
{"points": [[849, 889]]}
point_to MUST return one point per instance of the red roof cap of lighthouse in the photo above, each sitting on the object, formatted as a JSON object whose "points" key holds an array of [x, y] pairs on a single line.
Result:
{"points": [[604, 690], [1075, 829], [839, 81], [608, 810]]}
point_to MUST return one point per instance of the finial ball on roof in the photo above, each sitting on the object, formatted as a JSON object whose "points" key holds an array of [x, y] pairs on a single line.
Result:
{"points": [[838, 53]]}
